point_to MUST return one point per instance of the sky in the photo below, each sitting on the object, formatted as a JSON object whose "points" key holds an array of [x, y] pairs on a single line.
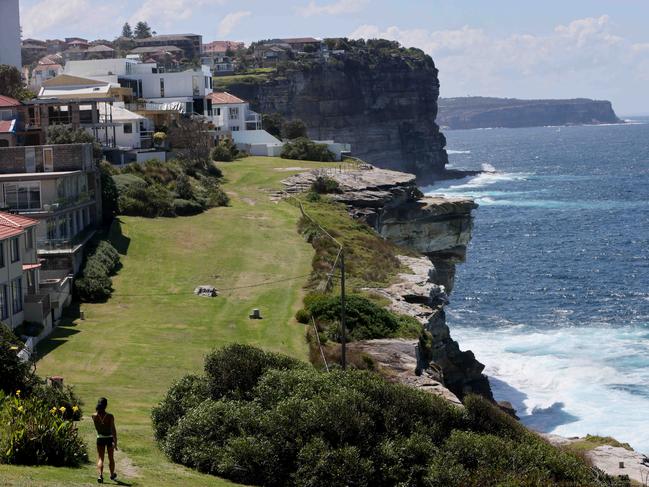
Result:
{"points": [[508, 48]]}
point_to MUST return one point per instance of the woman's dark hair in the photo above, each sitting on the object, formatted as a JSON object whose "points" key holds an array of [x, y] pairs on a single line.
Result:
{"points": [[101, 405]]}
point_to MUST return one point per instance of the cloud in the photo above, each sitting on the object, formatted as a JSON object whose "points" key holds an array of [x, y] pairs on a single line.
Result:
{"points": [[230, 21], [46, 14], [582, 58], [334, 8], [165, 13]]}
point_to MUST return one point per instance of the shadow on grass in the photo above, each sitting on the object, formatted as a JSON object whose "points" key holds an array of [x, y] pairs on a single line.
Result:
{"points": [[65, 329], [120, 241]]}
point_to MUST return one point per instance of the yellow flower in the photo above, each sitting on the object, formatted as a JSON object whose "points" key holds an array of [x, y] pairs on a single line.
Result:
{"points": [[18, 393], [53, 410], [20, 409], [75, 409], [62, 409]]}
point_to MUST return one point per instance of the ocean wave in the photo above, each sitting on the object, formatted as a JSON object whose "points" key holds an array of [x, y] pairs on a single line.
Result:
{"points": [[451, 151], [467, 185], [571, 380]]}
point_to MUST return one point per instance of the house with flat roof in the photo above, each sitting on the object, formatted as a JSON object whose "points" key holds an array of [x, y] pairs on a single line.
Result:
{"points": [[59, 186]]}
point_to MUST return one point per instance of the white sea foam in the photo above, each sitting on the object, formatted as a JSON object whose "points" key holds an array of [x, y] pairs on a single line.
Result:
{"points": [[451, 151], [467, 186], [570, 381]]}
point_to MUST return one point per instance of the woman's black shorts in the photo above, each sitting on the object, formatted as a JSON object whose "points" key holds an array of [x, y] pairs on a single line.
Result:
{"points": [[105, 441]]}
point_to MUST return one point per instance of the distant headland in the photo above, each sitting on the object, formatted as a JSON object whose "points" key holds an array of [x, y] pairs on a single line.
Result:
{"points": [[486, 112]]}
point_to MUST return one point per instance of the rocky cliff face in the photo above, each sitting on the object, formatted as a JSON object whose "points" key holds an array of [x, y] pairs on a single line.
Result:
{"points": [[386, 110], [482, 112], [440, 229]]}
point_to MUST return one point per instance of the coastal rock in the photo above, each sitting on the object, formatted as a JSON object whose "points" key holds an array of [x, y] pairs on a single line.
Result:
{"points": [[400, 358]]}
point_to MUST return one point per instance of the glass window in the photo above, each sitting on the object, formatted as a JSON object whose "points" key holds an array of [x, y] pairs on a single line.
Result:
{"points": [[128, 128], [14, 244], [234, 112], [23, 196], [16, 295], [162, 87], [4, 304], [29, 239], [234, 128]]}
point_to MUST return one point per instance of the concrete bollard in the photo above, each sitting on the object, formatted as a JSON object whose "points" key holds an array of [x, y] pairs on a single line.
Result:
{"points": [[255, 315]]}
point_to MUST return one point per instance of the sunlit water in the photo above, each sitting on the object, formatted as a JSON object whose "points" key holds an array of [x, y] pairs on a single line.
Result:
{"points": [[554, 297]]}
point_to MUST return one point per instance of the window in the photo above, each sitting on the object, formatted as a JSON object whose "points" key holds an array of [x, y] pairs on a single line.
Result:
{"points": [[4, 304], [14, 247], [85, 113], [128, 128], [17, 295], [29, 239], [162, 87], [234, 128], [23, 196], [234, 112], [48, 159], [218, 112]]}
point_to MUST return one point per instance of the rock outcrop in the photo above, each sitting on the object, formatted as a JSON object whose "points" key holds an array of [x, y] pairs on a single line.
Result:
{"points": [[384, 106], [440, 229], [482, 112]]}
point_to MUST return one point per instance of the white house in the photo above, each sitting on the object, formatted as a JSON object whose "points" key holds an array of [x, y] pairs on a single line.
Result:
{"points": [[132, 131], [150, 82], [44, 72], [10, 33], [232, 114]]}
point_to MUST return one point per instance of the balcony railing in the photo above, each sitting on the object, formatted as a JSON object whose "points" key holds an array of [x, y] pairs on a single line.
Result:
{"points": [[66, 243], [150, 106]]}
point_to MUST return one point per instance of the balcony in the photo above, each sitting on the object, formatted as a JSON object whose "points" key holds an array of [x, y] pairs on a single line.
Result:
{"points": [[64, 245], [151, 106]]}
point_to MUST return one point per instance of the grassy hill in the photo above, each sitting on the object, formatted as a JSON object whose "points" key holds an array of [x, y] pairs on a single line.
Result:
{"points": [[154, 330]]}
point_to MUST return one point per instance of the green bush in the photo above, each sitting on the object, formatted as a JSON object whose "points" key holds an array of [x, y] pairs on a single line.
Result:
{"points": [[95, 285], [304, 149], [325, 185], [185, 394], [187, 207], [224, 151], [54, 396], [149, 201], [303, 316], [123, 182], [234, 370], [294, 129], [184, 188], [31, 433], [15, 374], [365, 320], [28, 328], [266, 419]]}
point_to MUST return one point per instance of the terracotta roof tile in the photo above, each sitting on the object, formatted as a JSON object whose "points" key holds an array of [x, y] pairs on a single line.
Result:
{"points": [[6, 101], [7, 126], [13, 225], [224, 97]]}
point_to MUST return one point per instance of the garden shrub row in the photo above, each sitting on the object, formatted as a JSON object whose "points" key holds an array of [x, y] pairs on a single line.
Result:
{"points": [[96, 285], [264, 419], [304, 149]]}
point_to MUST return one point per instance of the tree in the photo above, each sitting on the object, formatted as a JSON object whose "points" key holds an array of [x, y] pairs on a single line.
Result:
{"points": [[142, 30], [109, 193], [272, 123], [191, 136], [63, 134], [11, 83], [127, 31], [294, 129]]}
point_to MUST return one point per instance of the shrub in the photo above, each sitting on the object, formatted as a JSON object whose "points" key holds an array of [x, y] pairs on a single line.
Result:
{"points": [[364, 319], [303, 316], [325, 185], [185, 394], [58, 396], [29, 328], [123, 182], [269, 420], [294, 129], [234, 370], [304, 149], [33, 434], [95, 285], [184, 188], [15, 374], [149, 200], [221, 154], [187, 207]]}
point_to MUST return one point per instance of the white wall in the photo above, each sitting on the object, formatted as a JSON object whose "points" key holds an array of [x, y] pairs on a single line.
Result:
{"points": [[221, 115], [10, 33]]}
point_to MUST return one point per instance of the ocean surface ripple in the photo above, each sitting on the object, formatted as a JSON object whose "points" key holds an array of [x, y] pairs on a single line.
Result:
{"points": [[554, 297]]}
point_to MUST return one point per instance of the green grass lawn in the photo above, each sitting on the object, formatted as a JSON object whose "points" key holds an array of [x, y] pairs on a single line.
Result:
{"points": [[154, 330]]}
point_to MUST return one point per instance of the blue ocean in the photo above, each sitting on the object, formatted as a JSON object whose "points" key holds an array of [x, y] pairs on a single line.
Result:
{"points": [[554, 296]]}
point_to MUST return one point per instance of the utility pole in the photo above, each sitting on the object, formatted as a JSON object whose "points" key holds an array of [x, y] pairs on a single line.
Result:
{"points": [[343, 341]]}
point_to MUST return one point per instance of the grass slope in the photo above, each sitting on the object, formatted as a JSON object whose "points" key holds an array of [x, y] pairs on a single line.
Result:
{"points": [[154, 330]]}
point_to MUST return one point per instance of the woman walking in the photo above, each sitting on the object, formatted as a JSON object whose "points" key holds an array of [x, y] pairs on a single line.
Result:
{"points": [[106, 439]]}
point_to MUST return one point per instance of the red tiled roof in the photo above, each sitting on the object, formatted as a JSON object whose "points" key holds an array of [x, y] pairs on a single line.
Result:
{"points": [[6, 101], [224, 97], [7, 126], [13, 225]]}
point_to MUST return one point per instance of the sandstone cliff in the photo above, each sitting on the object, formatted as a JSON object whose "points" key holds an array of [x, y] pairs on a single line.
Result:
{"points": [[440, 229], [483, 112], [382, 102]]}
